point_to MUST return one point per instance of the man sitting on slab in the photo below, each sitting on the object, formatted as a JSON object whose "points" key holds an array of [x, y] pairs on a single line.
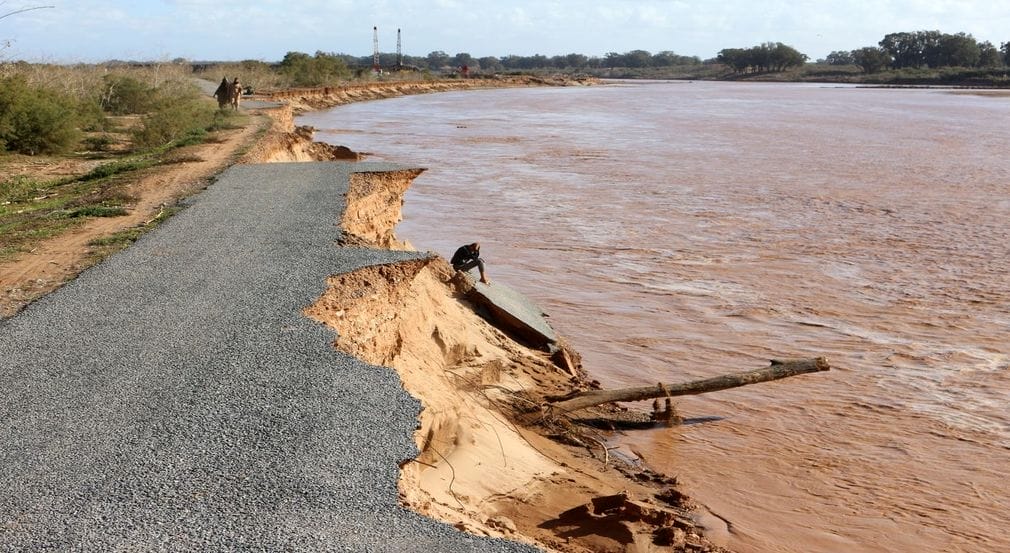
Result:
{"points": [[467, 257]]}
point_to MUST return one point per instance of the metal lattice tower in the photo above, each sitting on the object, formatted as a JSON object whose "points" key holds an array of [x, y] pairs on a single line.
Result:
{"points": [[375, 49], [399, 51]]}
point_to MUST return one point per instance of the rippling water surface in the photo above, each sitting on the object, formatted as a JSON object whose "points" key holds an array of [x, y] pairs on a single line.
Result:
{"points": [[682, 230]]}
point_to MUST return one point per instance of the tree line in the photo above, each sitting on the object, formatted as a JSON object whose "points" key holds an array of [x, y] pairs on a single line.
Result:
{"points": [[919, 49], [322, 67], [924, 49]]}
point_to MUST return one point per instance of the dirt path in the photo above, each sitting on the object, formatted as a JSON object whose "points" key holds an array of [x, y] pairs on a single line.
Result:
{"points": [[55, 261]]}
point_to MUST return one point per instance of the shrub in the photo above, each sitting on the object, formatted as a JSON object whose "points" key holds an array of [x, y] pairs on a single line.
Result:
{"points": [[98, 143], [36, 120], [321, 69], [173, 118], [124, 95]]}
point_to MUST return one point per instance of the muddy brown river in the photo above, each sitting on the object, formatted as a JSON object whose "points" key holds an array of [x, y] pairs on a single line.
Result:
{"points": [[675, 231]]}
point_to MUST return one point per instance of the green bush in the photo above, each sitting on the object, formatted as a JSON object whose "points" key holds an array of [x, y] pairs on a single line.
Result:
{"points": [[321, 69], [36, 120], [124, 95], [173, 119], [98, 143]]}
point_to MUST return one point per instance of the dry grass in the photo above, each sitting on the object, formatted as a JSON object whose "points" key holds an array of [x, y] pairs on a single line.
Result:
{"points": [[82, 81]]}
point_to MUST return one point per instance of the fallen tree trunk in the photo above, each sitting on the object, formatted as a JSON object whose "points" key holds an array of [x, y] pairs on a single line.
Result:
{"points": [[780, 368]]}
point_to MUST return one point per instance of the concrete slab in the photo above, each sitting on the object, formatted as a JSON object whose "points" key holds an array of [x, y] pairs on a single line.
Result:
{"points": [[513, 313]]}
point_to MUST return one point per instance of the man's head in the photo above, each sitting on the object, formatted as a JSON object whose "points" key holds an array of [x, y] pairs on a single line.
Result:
{"points": [[475, 247]]}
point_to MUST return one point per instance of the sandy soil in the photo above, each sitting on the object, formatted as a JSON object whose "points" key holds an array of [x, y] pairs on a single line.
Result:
{"points": [[485, 464], [492, 460], [307, 99]]}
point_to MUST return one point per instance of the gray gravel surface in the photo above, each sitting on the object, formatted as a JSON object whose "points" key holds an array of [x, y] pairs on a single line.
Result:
{"points": [[174, 398]]}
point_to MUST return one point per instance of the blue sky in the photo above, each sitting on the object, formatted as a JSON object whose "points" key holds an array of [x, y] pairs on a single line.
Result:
{"points": [[97, 30]]}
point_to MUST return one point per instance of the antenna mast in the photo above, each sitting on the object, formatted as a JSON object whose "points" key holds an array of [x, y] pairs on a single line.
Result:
{"points": [[375, 49], [399, 51]]}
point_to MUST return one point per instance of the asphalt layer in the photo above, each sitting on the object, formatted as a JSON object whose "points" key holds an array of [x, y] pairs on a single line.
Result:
{"points": [[174, 398]]}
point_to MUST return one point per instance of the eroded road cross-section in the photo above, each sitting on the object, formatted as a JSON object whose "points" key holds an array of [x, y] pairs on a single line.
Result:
{"points": [[176, 396]]}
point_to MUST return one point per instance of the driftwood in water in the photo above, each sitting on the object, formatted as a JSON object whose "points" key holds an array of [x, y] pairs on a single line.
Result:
{"points": [[780, 368]]}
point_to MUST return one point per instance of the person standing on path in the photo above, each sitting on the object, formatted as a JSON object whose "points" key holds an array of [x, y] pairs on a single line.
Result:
{"points": [[467, 257]]}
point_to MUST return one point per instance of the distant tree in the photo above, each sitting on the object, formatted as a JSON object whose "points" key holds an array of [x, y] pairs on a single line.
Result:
{"points": [[931, 49], [490, 64], [667, 58], [988, 55], [386, 59], [329, 66], [437, 60], [306, 70], [462, 58], [1004, 50], [957, 50], [294, 58], [511, 61], [736, 58], [782, 57], [770, 56], [537, 61], [840, 58], [871, 59], [613, 59], [905, 49], [637, 58], [575, 61], [759, 56]]}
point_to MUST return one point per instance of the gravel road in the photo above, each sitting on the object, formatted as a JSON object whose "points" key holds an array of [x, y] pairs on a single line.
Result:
{"points": [[174, 398]]}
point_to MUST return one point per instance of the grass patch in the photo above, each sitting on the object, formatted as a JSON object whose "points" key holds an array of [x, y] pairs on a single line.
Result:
{"points": [[19, 235], [119, 166], [191, 138], [225, 120], [182, 159], [89, 211], [21, 188]]}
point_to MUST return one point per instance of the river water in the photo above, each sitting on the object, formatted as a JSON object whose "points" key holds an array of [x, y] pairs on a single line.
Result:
{"points": [[675, 231]]}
